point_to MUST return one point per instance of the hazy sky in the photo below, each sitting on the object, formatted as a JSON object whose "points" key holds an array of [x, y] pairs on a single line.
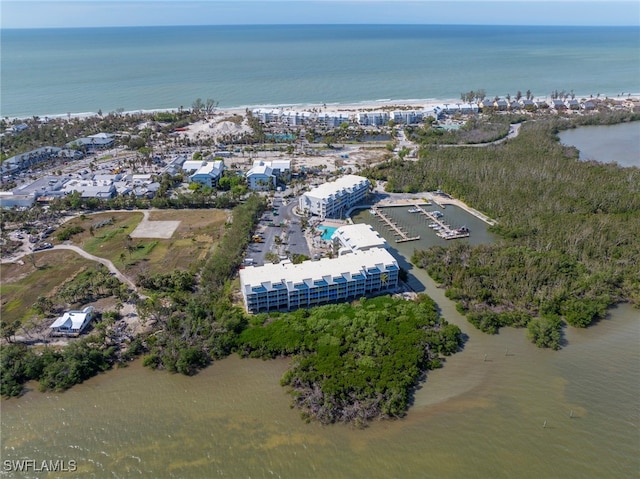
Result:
{"points": [[90, 13]]}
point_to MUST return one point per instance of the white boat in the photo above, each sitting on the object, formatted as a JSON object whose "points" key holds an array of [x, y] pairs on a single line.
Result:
{"points": [[414, 210], [437, 214], [373, 212]]}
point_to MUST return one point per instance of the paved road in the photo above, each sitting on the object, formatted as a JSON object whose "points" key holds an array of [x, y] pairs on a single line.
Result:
{"points": [[514, 130]]}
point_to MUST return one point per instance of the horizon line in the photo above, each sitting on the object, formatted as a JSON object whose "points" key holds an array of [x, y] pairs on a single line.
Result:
{"points": [[327, 24]]}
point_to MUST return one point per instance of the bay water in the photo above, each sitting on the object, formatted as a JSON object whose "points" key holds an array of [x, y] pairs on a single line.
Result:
{"points": [[500, 408]]}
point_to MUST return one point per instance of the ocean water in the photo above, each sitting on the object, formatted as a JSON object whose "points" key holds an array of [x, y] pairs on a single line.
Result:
{"points": [[60, 71]]}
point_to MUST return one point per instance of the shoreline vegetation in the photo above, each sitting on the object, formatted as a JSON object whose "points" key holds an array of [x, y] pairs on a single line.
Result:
{"points": [[569, 238]]}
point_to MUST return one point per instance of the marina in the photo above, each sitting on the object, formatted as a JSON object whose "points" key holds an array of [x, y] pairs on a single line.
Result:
{"points": [[442, 229], [401, 235]]}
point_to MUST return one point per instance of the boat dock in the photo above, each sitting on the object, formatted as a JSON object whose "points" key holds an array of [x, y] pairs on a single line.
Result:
{"points": [[443, 230], [401, 236]]}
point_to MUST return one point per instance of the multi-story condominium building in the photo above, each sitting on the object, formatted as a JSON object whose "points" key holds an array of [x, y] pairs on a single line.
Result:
{"points": [[333, 200], [373, 118], [287, 286]]}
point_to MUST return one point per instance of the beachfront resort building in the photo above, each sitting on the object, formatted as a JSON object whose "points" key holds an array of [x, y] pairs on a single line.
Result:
{"points": [[334, 199], [73, 322], [288, 286]]}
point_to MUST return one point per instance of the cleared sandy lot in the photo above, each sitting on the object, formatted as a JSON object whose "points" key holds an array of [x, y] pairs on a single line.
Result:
{"points": [[155, 229]]}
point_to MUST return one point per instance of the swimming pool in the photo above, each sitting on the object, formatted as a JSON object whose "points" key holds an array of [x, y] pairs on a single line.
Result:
{"points": [[327, 231]]}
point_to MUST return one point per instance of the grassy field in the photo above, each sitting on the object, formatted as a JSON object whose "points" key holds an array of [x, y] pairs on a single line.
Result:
{"points": [[198, 232], [22, 284]]}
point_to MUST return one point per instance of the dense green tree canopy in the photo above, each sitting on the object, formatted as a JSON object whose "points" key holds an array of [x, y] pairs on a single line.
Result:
{"points": [[355, 362], [570, 229]]}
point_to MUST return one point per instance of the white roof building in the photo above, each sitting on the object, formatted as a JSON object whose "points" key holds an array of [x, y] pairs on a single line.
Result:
{"points": [[358, 237], [90, 188], [263, 174], [205, 172], [260, 176], [73, 322], [335, 198], [190, 166]]}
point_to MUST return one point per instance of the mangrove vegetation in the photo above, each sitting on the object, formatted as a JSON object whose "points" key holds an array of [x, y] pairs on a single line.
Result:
{"points": [[569, 229], [354, 362]]}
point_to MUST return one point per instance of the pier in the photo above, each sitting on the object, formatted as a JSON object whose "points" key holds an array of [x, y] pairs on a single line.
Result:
{"points": [[402, 236], [444, 231]]}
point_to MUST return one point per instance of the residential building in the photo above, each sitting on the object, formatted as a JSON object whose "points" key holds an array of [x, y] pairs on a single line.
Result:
{"points": [[373, 118], [501, 104], [334, 199], [92, 143], [207, 173], [527, 104], [73, 322], [572, 104], [266, 174], [26, 160], [486, 103], [281, 169], [287, 286], [260, 176]]}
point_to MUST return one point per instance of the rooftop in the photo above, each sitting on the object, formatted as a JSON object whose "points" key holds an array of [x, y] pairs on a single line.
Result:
{"points": [[347, 265], [327, 189], [359, 237]]}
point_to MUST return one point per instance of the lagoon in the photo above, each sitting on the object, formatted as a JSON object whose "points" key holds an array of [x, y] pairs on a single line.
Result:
{"points": [[607, 144]]}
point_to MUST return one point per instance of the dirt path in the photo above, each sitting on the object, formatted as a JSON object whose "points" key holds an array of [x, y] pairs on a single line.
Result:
{"points": [[106, 262]]}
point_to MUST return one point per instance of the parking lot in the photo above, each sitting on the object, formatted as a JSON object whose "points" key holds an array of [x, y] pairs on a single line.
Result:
{"points": [[282, 222]]}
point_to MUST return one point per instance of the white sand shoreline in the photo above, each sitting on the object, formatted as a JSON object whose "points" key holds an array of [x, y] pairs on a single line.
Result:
{"points": [[352, 106]]}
